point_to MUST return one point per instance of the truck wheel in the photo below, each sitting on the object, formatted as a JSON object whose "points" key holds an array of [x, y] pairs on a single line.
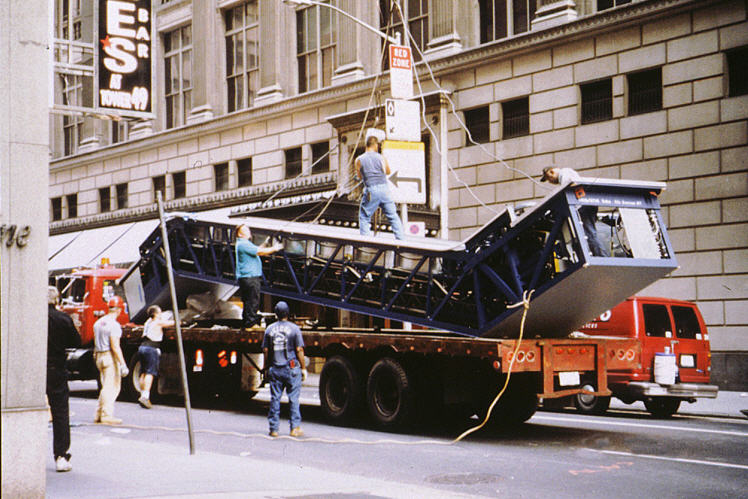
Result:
{"points": [[590, 404], [389, 394], [131, 384], [517, 405], [340, 389], [662, 407]]}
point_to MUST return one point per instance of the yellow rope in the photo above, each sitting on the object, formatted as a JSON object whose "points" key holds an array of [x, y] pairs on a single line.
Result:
{"points": [[525, 303]]}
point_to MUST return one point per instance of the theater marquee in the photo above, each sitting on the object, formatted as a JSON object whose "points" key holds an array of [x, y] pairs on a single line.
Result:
{"points": [[124, 58]]}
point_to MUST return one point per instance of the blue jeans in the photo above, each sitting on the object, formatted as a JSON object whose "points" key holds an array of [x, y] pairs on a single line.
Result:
{"points": [[289, 379], [588, 214], [374, 197]]}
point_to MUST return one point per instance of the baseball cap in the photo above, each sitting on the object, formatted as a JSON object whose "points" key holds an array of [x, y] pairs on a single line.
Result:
{"points": [[281, 309], [545, 173]]}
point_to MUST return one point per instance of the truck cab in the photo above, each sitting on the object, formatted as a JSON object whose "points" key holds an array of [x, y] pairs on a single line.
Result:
{"points": [[83, 295], [665, 327]]}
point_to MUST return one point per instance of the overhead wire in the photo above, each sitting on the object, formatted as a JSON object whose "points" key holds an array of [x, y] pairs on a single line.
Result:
{"points": [[457, 117], [525, 303]]}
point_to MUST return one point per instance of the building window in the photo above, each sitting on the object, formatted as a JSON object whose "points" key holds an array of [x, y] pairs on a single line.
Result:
{"points": [[316, 38], [56, 209], [478, 125], [105, 199], [242, 55], [221, 175], [121, 196], [737, 71], [516, 118], [645, 91], [72, 201], [178, 73], [597, 101], [495, 13], [321, 157], [609, 4], [244, 172], [418, 22], [178, 180], [120, 130], [72, 124], [159, 185], [293, 162]]}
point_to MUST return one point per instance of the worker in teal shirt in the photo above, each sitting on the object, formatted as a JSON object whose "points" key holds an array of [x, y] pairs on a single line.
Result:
{"points": [[249, 273]]}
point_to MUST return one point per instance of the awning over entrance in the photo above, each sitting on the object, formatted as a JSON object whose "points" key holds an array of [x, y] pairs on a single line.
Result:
{"points": [[118, 243]]}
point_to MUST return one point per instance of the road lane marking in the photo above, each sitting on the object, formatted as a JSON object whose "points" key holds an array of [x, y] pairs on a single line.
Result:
{"points": [[675, 459], [640, 425]]}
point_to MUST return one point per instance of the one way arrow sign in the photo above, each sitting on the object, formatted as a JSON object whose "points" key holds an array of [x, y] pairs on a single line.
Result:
{"points": [[408, 178], [395, 178]]}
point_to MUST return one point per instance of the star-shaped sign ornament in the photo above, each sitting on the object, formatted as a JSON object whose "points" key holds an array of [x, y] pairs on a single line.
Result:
{"points": [[105, 42]]}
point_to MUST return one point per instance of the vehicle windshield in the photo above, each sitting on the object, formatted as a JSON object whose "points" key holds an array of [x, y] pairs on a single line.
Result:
{"points": [[74, 291]]}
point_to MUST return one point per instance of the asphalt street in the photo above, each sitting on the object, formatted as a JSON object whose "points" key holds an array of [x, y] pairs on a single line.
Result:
{"points": [[555, 454]]}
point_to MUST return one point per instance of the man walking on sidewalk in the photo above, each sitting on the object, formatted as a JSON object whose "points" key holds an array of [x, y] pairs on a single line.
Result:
{"points": [[109, 361], [283, 349], [61, 334]]}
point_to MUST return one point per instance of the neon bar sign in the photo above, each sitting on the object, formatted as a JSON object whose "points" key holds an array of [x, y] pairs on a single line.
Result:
{"points": [[124, 55]]}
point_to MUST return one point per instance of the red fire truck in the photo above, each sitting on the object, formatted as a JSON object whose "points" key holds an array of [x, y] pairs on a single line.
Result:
{"points": [[84, 294]]}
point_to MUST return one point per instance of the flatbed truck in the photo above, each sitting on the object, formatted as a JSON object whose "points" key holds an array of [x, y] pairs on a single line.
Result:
{"points": [[465, 296]]}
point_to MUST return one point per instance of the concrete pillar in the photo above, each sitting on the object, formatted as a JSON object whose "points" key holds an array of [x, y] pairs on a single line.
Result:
{"points": [[553, 13], [349, 64], [206, 85], [444, 38], [274, 48], [24, 203]]}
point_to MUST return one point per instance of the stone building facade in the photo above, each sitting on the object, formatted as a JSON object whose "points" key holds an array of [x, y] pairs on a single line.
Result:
{"points": [[653, 90]]}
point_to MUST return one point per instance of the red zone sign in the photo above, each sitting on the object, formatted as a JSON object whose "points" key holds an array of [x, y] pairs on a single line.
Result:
{"points": [[124, 55]]}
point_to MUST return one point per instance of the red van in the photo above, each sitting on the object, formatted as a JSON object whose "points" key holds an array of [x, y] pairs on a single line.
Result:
{"points": [[665, 327]]}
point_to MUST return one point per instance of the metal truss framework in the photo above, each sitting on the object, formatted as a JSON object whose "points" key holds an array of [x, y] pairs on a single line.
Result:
{"points": [[467, 289]]}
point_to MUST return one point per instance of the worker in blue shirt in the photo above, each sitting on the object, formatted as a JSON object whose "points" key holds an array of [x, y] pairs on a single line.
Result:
{"points": [[373, 169], [249, 273], [283, 353]]}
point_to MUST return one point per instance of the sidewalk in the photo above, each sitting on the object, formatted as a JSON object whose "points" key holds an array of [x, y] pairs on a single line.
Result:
{"points": [[112, 466], [727, 404]]}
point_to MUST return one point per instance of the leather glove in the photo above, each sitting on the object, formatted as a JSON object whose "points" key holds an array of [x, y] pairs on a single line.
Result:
{"points": [[304, 374], [123, 370]]}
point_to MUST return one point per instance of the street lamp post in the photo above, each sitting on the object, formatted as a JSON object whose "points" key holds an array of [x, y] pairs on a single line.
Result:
{"points": [[297, 3]]}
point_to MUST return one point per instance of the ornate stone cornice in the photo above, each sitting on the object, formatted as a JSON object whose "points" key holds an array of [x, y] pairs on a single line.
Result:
{"points": [[255, 195]]}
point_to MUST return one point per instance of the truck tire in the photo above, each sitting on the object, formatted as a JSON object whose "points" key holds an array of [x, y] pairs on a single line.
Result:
{"points": [[131, 384], [389, 394], [662, 407], [590, 404], [517, 405], [340, 390]]}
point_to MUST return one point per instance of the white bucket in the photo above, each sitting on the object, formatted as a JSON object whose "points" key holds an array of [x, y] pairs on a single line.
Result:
{"points": [[664, 368]]}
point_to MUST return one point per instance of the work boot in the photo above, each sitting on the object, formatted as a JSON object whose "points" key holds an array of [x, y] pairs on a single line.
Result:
{"points": [[297, 432], [273, 433], [145, 403], [110, 421], [62, 464]]}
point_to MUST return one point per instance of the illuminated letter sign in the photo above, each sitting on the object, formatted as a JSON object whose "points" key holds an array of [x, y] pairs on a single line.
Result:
{"points": [[124, 51]]}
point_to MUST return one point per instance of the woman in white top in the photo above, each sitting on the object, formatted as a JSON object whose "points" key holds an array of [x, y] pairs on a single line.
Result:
{"points": [[150, 353]]}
